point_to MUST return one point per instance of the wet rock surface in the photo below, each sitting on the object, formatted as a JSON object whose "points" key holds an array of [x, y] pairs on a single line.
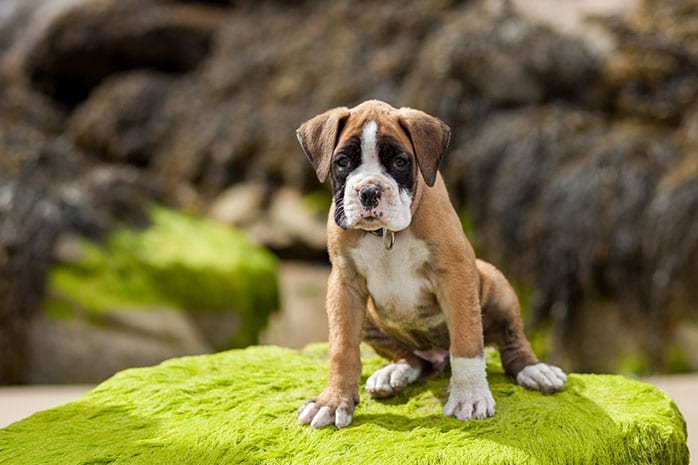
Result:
{"points": [[181, 286], [588, 223], [87, 351], [576, 164], [47, 188], [67, 62]]}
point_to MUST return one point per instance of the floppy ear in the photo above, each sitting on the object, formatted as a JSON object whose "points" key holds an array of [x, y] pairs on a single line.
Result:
{"points": [[319, 136], [429, 136]]}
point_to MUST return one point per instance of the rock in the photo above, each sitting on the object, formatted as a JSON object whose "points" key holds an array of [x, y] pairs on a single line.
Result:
{"points": [[123, 120], [292, 227], [303, 318], [83, 349], [15, 22], [670, 240], [240, 205], [653, 75], [573, 160], [212, 144], [86, 335], [20, 106], [114, 36], [47, 188], [220, 327], [253, 94], [198, 267], [464, 62], [580, 20], [29, 224], [283, 220], [565, 202], [688, 132], [229, 119], [686, 342], [240, 407]]}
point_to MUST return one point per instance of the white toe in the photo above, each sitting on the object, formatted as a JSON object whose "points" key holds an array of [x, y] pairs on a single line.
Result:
{"points": [[307, 412], [342, 418], [323, 417], [470, 395], [467, 404], [541, 377], [391, 379]]}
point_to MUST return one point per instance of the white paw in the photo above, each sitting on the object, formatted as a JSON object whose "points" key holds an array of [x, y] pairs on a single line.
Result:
{"points": [[542, 377], [468, 404], [320, 416], [391, 379], [470, 396], [328, 408]]}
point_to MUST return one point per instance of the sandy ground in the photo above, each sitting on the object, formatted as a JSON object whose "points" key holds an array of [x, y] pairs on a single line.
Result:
{"points": [[22, 401]]}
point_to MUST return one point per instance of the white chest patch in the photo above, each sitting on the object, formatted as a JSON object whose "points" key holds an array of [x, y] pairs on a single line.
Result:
{"points": [[396, 280]]}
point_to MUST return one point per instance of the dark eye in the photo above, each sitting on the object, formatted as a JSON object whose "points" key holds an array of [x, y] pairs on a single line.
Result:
{"points": [[342, 162], [400, 162]]}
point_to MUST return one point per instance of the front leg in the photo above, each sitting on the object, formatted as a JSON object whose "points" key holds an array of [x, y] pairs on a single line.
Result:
{"points": [[469, 396], [346, 304]]}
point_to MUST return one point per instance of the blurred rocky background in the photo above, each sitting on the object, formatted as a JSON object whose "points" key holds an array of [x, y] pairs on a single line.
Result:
{"points": [[131, 130]]}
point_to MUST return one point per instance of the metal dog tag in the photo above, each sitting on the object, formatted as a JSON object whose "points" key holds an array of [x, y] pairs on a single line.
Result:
{"points": [[388, 239]]}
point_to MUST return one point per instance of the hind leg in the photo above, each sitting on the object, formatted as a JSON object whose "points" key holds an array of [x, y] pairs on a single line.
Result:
{"points": [[502, 326], [405, 369]]}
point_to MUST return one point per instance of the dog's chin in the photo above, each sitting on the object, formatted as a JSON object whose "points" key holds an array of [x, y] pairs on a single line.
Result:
{"points": [[372, 223], [349, 216]]}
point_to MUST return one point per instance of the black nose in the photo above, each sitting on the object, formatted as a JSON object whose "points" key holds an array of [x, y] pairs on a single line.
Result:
{"points": [[370, 195]]}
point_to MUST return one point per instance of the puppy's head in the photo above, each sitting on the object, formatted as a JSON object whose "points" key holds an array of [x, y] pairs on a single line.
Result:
{"points": [[375, 155]]}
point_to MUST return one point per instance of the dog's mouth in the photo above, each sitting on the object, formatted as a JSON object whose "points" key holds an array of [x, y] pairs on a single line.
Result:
{"points": [[371, 220], [370, 223], [375, 220]]}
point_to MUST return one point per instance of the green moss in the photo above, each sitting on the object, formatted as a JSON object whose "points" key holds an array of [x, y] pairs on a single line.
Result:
{"points": [[466, 221], [640, 363], [525, 295], [637, 364], [541, 339], [677, 360], [238, 407], [318, 201], [180, 262], [58, 309]]}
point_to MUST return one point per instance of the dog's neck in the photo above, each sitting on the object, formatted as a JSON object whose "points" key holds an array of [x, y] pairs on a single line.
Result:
{"points": [[387, 235]]}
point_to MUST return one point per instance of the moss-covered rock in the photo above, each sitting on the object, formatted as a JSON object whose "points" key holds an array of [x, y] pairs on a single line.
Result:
{"points": [[179, 262], [239, 407]]}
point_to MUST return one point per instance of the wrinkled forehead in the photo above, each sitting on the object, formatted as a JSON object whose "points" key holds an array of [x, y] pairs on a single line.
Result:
{"points": [[385, 119]]}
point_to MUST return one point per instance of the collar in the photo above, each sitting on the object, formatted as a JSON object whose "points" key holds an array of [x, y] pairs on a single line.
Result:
{"points": [[387, 235]]}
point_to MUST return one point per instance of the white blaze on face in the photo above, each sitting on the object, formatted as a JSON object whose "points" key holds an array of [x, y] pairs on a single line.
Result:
{"points": [[393, 209], [369, 147]]}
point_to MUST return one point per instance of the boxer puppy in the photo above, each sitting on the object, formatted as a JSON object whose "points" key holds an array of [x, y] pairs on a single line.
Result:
{"points": [[403, 273]]}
